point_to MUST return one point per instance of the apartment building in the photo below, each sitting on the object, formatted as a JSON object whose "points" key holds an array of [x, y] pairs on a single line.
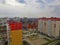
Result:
{"points": [[3, 31], [15, 32], [49, 26]]}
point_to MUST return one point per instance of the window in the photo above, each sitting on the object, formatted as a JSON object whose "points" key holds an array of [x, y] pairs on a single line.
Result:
{"points": [[44, 24], [54, 25]]}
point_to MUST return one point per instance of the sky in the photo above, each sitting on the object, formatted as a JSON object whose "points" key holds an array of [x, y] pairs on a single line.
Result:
{"points": [[30, 8]]}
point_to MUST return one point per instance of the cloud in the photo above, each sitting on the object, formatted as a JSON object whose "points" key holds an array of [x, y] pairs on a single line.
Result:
{"points": [[13, 3], [49, 1], [56, 10], [30, 8], [21, 1]]}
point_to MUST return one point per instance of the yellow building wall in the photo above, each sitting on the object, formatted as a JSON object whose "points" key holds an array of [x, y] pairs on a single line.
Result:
{"points": [[16, 37]]}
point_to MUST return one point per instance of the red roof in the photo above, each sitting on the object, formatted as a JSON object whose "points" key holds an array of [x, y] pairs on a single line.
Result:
{"points": [[52, 18]]}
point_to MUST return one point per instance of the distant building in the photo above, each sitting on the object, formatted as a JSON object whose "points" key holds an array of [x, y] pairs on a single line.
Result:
{"points": [[49, 26]]}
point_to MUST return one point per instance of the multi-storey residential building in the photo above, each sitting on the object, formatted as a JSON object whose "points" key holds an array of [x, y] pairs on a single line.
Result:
{"points": [[3, 31], [15, 27], [49, 26]]}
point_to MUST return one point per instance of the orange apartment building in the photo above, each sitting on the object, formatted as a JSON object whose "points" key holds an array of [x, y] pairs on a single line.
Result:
{"points": [[49, 26], [15, 32]]}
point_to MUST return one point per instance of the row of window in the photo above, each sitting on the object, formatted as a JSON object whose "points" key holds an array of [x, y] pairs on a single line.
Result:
{"points": [[3, 27]]}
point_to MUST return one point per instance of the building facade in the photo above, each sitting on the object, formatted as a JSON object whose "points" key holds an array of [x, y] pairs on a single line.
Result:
{"points": [[3, 31], [49, 26]]}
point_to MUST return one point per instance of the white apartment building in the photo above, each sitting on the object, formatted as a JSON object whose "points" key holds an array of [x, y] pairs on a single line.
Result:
{"points": [[49, 26]]}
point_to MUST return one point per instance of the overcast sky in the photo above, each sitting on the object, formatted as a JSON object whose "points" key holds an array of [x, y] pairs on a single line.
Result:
{"points": [[30, 8]]}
